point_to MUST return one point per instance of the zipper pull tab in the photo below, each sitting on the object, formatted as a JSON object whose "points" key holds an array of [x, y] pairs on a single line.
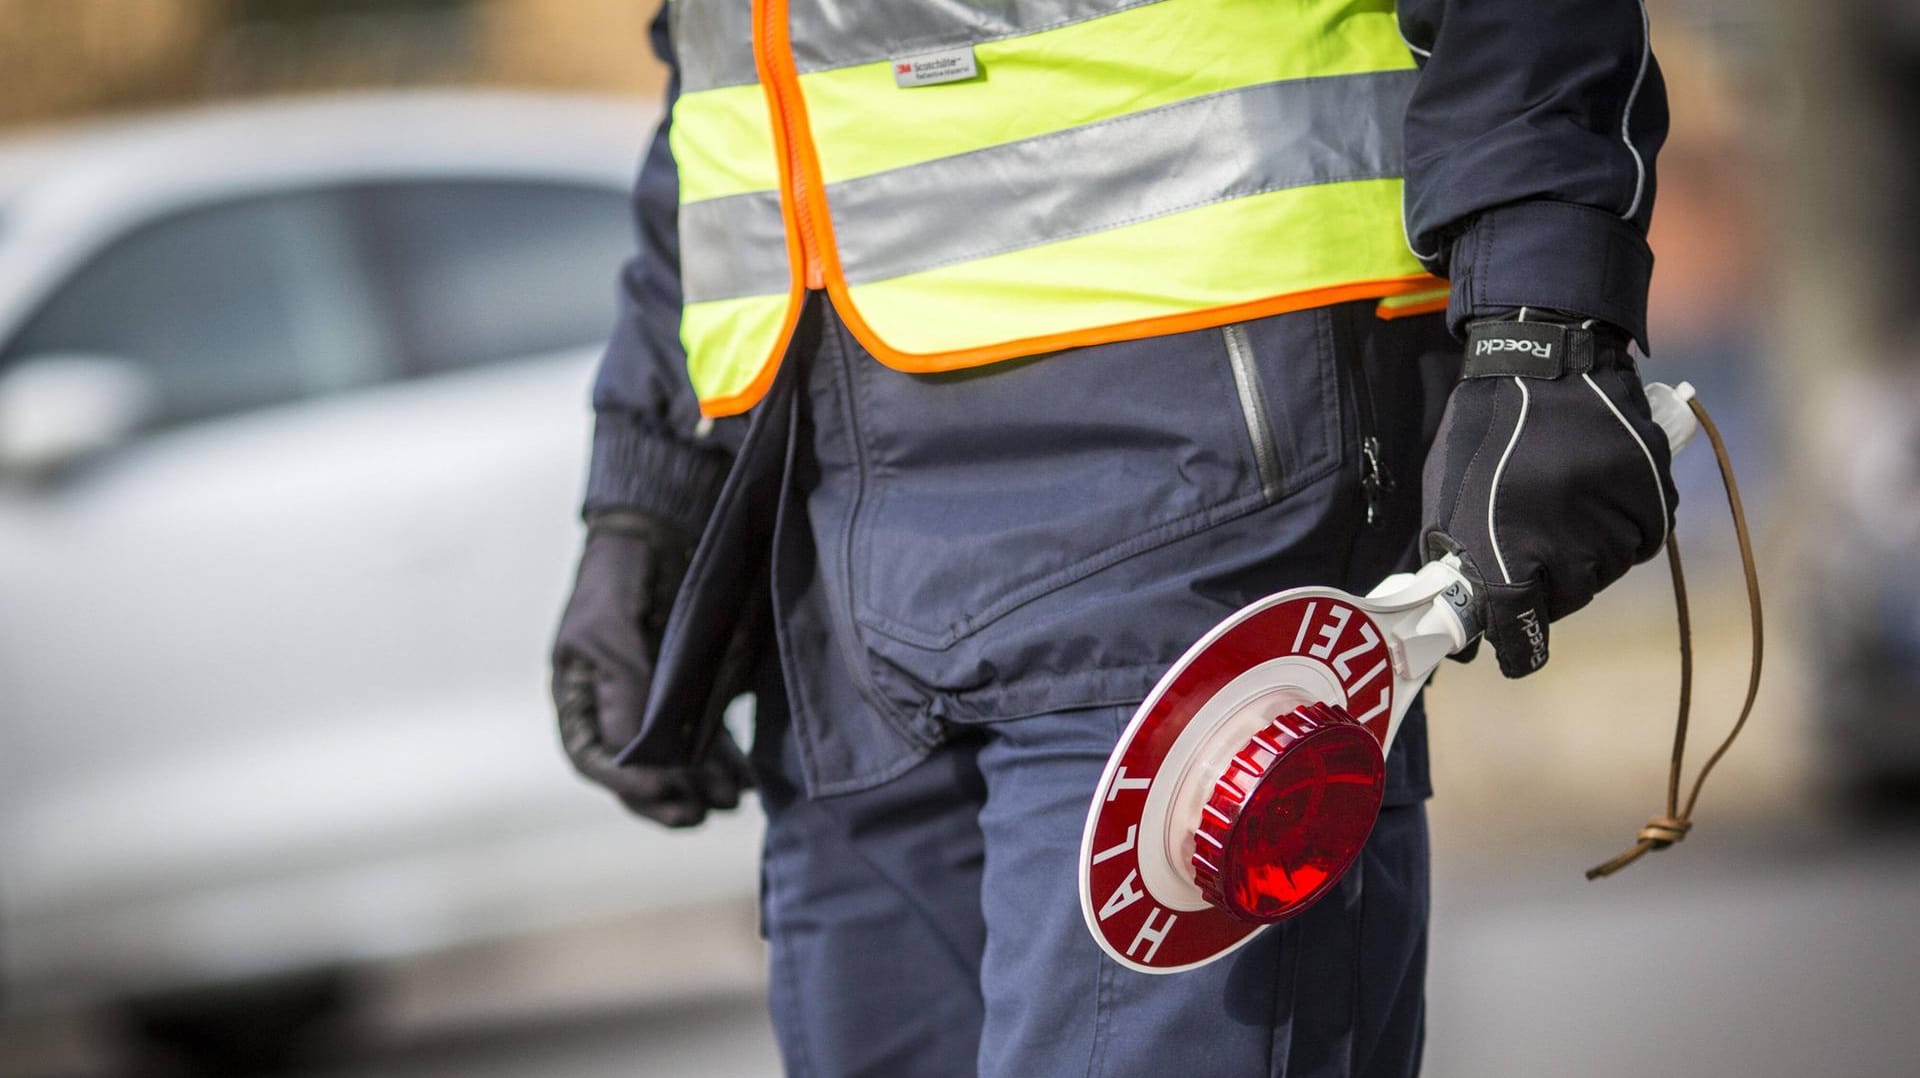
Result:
{"points": [[1375, 481]]}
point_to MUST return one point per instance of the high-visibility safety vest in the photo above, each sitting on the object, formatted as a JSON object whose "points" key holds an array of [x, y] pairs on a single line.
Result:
{"points": [[975, 180]]}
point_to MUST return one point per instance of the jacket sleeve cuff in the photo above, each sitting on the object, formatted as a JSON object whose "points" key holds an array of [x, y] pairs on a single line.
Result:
{"points": [[1557, 255], [638, 469]]}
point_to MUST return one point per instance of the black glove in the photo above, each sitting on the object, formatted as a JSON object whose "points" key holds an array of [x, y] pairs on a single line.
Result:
{"points": [[603, 662], [1548, 478]]}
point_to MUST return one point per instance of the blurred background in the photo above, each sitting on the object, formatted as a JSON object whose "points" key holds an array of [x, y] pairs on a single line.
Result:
{"points": [[299, 300]]}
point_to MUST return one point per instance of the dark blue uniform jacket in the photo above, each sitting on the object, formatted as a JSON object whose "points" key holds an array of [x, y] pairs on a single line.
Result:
{"points": [[1530, 142]]}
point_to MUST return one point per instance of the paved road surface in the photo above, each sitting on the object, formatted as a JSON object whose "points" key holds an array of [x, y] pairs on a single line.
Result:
{"points": [[1745, 956], [1794, 964], [1747, 962]]}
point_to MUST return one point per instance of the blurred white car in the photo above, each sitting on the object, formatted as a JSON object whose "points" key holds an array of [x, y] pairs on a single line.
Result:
{"points": [[293, 417]]}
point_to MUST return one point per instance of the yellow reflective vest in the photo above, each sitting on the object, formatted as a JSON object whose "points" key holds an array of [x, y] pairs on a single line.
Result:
{"points": [[975, 180]]}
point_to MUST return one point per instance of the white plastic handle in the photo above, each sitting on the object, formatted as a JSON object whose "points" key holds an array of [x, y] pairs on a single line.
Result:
{"points": [[1670, 411]]}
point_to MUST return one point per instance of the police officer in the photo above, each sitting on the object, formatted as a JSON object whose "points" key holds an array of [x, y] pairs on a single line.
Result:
{"points": [[978, 357]]}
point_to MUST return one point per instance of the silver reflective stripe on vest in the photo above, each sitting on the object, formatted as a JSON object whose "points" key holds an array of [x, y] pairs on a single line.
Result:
{"points": [[713, 43], [1071, 183], [1119, 172], [837, 33], [732, 247], [716, 50]]}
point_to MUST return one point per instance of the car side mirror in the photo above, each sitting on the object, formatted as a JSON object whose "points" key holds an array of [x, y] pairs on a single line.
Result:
{"points": [[57, 410]]}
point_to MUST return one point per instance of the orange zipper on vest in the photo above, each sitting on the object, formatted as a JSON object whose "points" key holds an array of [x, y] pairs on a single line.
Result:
{"points": [[773, 54]]}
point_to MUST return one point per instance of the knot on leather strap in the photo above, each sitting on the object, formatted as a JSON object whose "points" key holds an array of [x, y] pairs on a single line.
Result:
{"points": [[1664, 831], [1659, 833]]}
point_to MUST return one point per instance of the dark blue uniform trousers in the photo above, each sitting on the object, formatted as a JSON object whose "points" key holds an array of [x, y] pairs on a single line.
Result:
{"points": [[930, 926], [925, 791]]}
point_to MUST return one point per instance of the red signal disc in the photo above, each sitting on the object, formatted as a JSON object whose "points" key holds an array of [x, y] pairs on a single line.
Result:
{"points": [[1166, 932]]}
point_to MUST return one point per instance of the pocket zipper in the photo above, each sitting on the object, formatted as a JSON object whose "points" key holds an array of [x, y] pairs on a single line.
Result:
{"points": [[1375, 481], [1253, 409]]}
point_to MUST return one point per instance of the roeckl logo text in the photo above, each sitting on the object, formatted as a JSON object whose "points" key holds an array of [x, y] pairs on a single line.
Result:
{"points": [[1536, 638], [1489, 345]]}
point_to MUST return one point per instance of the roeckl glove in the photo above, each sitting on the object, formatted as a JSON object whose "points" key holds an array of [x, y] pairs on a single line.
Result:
{"points": [[603, 662], [1548, 477]]}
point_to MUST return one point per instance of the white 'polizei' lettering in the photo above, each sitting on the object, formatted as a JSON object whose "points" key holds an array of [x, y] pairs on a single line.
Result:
{"points": [[1380, 704], [1305, 621], [1368, 638], [1372, 673], [1337, 619]]}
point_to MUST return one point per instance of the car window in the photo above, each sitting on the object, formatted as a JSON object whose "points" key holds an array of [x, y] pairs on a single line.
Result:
{"points": [[493, 270], [228, 307]]}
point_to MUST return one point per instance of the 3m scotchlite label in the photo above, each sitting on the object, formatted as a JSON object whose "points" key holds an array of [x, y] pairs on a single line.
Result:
{"points": [[934, 68], [713, 37], [829, 34]]}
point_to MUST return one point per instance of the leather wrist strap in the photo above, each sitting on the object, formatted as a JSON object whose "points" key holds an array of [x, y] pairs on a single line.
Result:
{"points": [[1669, 827]]}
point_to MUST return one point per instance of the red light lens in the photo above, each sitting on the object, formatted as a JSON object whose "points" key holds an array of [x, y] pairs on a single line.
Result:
{"points": [[1310, 809]]}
